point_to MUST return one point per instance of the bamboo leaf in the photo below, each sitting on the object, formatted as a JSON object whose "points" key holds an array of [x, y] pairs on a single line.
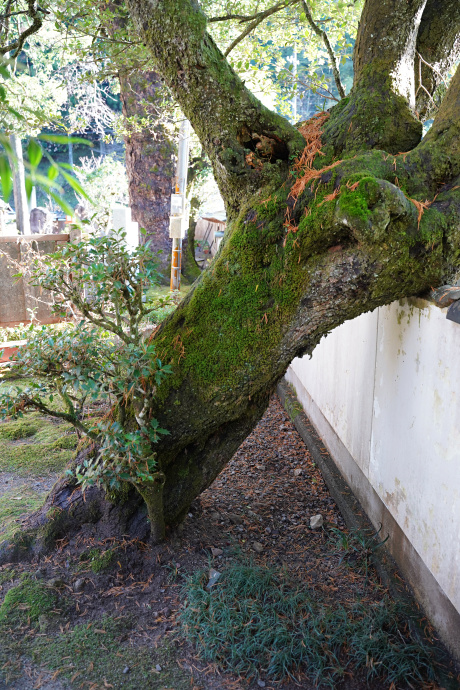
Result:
{"points": [[34, 153], [6, 177], [63, 139], [76, 186]]}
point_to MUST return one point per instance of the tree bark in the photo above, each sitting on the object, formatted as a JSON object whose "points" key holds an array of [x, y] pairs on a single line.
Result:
{"points": [[438, 49], [149, 163], [306, 246]]}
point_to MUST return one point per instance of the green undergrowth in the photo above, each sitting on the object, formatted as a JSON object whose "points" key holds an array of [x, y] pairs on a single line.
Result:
{"points": [[14, 503], [164, 301], [77, 654], [292, 405], [256, 622], [35, 445]]}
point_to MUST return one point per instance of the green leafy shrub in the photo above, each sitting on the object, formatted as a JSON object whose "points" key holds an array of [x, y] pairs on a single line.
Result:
{"points": [[254, 621], [103, 357]]}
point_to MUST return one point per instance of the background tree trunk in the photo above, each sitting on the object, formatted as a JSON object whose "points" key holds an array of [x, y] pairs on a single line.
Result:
{"points": [[149, 162]]}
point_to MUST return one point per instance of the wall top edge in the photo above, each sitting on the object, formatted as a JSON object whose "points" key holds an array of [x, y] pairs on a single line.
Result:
{"points": [[65, 237]]}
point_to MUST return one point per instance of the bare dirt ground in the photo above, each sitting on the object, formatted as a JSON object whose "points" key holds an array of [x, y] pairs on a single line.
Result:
{"points": [[115, 619]]}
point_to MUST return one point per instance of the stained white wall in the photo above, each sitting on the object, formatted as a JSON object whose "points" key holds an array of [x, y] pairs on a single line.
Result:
{"points": [[385, 386]]}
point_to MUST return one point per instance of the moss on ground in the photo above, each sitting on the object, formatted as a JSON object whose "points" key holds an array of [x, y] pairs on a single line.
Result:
{"points": [[26, 602], [292, 405], [78, 651], [13, 504], [35, 445], [18, 429]]}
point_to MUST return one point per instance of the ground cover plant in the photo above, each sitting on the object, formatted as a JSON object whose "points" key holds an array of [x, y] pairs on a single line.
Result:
{"points": [[258, 622]]}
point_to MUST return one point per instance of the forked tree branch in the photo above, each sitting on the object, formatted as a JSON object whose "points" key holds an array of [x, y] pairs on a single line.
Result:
{"points": [[259, 18], [249, 18], [228, 119], [324, 37], [36, 14], [399, 29]]}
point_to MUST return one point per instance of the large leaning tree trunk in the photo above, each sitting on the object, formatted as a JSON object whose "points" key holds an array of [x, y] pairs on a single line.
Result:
{"points": [[352, 212], [149, 161]]}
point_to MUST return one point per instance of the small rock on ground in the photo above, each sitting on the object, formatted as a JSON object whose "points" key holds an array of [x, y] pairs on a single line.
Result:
{"points": [[316, 521]]}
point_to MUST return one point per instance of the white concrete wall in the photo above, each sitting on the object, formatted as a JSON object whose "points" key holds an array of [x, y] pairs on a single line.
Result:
{"points": [[384, 389]]}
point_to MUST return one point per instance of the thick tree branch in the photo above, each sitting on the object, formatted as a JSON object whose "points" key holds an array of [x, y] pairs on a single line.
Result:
{"points": [[380, 111], [229, 120], [337, 264], [441, 146], [324, 37], [388, 38], [438, 49]]}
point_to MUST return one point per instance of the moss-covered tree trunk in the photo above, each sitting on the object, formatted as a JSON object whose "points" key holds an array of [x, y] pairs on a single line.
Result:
{"points": [[149, 159], [309, 244]]}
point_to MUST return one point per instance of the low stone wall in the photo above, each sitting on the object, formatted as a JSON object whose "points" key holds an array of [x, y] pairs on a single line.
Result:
{"points": [[17, 298]]}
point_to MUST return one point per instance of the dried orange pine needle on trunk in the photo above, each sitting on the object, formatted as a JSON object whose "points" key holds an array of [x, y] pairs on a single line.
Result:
{"points": [[421, 207], [330, 197], [303, 166]]}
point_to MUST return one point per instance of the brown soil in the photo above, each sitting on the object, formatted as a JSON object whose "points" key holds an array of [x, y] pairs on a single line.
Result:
{"points": [[263, 500]]}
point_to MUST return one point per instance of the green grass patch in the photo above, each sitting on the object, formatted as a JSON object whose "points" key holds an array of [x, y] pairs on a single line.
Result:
{"points": [[79, 650], [13, 504], [35, 445], [255, 622], [163, 291]]}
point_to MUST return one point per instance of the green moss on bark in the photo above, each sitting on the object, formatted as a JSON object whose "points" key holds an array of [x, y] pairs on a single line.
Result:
{"points": [[373, 117]]}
